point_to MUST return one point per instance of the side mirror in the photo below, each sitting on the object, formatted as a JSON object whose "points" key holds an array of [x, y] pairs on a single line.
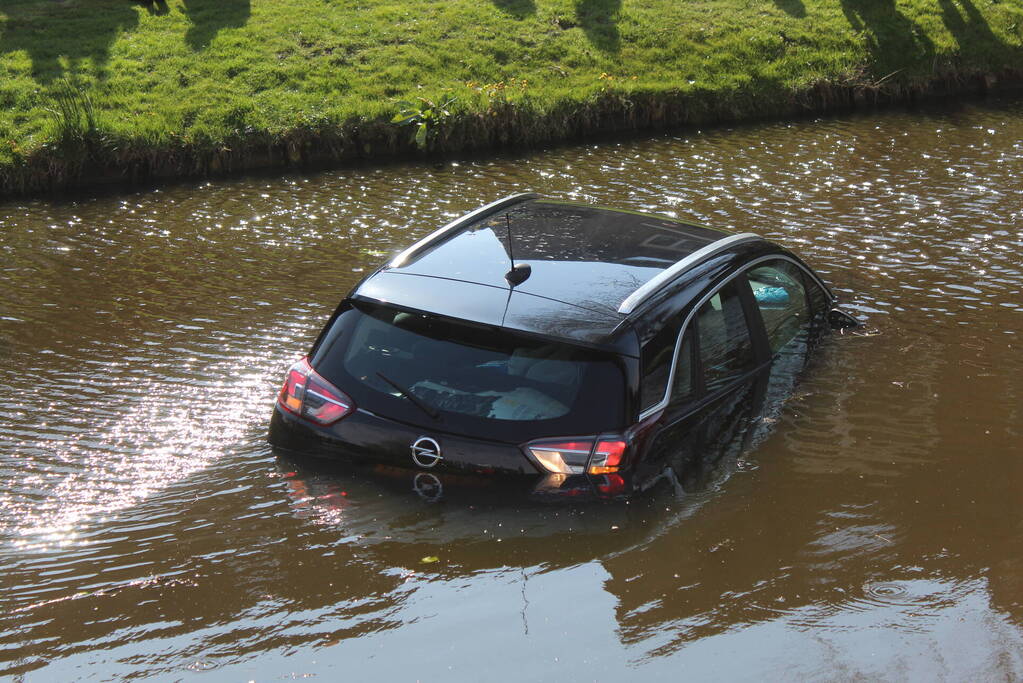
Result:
{"points": [[840, 320]]}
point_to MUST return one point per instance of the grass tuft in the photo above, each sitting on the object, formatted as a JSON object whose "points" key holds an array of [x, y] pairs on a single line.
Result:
{"points": [[73, 113]]}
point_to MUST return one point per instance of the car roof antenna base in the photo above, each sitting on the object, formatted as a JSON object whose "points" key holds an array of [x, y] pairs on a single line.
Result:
{"points": [[519, 273]]}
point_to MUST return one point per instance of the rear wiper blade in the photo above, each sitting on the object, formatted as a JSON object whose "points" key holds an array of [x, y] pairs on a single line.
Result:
{"points": [[408, 394]]}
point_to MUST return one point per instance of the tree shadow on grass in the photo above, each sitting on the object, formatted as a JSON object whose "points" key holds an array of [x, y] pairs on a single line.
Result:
{"points": [[793, 8], [209, 17], [598, 20], [895, 42], [158, 7], [50, 33], [974, 35], [520, 9]]}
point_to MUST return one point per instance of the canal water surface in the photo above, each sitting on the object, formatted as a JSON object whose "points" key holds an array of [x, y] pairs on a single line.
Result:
{"points": [[874, 528]]}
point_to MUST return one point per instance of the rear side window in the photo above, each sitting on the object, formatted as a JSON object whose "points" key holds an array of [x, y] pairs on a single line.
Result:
{"points": [[779, 294], [683, 386], [726, 350], [657, 356]]}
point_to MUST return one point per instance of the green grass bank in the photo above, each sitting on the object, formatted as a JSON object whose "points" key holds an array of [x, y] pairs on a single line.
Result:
{"points": [[120, 90]]}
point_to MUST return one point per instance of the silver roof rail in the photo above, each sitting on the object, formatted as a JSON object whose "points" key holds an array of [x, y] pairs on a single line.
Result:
{"points": [[457, 224], [670, 273]]}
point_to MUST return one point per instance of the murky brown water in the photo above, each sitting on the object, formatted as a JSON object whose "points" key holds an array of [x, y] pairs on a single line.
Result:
{"points": [[147, 530]]}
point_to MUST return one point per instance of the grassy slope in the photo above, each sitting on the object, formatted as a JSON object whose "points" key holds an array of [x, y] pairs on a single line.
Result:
{"points": [[190, 77]]}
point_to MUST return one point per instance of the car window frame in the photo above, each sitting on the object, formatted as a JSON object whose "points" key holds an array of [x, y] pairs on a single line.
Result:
{"points": [[758, 333]]}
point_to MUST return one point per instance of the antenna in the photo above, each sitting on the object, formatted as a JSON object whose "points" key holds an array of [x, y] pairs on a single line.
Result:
{"points": [[507, 225], [518, 273]]}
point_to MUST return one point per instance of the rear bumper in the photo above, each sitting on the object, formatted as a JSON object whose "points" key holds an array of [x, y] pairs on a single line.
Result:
{"points": [[366, 437], [363, 438]]}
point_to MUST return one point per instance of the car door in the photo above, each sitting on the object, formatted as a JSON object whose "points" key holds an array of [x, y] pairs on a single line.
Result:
{"points": [[717, 355], [737, 359]]}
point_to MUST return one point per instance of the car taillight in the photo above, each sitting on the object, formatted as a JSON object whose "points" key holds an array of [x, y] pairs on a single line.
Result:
{"points": [[294, 387], [607, 457], [562, 457], [308, 395], [579, 455]]}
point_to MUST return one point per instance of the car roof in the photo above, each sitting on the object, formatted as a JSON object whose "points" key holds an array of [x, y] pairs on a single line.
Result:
{"points": [[589, 267]]}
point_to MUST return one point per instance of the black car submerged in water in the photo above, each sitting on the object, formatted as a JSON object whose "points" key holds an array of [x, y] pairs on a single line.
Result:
{"points": [[575, 345]]}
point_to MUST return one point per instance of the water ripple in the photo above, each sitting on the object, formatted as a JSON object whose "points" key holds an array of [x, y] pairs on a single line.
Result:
{"points": [[147, 530]]}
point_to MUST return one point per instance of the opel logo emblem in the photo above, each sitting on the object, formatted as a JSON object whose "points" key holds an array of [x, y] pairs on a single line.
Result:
{"points": [[426, 452]]}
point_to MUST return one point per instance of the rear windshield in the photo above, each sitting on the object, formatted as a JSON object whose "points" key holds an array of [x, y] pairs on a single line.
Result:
{"points": [[474, 379]]}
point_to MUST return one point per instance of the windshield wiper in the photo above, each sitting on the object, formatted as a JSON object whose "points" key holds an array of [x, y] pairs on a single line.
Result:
{"points": [[408, 394]]}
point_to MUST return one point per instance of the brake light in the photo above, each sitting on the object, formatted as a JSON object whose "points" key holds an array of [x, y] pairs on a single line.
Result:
{"points": [[308, 395], [607, 457], [294, 387], [579, 456]]}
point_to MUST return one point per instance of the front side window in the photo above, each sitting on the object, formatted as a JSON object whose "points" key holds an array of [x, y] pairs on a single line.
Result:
{"points": [[726, 350], [820, 302], [779, 293]]}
